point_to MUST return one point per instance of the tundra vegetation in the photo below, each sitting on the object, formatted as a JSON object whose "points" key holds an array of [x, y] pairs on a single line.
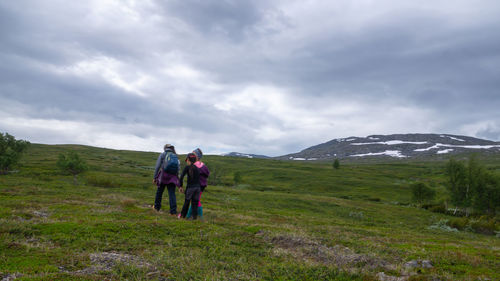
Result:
{"points": [[285, 220]]}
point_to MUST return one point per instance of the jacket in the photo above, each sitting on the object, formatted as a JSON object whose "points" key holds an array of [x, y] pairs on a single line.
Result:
{"points": [[204, 173], [162, 177]]}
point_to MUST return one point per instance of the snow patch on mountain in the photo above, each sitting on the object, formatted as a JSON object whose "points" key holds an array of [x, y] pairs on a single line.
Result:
{"points": [[444, 151], [392, 153], [345, 139], [438, 145], [392, 142], [453, 138]]}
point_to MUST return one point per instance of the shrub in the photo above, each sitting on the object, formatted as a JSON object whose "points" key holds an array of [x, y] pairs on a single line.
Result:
{"points": [[438, 208], [237, 178], [443, 225], [458, 223], [483, 225], [128, 203], [336, 164], [72, 163], [10, 151], [421, 193], [102, 181]]}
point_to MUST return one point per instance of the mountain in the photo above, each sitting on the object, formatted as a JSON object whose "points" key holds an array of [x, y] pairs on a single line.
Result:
{"points": [[244, 155], [395, 146]]}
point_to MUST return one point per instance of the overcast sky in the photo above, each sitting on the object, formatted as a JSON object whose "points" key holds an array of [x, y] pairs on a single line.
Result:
{"points": [[265, 77]]}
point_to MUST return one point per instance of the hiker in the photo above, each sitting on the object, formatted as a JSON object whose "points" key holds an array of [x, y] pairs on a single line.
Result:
{"points": [[192, 188], [167, 174], [204, 173]]}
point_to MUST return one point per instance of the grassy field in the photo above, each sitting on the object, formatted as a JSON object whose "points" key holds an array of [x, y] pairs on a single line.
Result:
{"points": [[283, 221]]}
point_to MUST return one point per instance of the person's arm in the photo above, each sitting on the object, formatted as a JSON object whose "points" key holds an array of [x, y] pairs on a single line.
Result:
{"points": [[184, 172], [157, 166]]}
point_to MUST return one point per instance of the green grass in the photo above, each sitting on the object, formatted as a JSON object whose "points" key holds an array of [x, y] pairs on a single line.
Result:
{"points": [[284, 221]]}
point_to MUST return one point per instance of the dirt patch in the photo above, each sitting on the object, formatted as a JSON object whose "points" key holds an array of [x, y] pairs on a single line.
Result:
{"points": [[9, 277], [107, 261], [41, 214], [381, 276], [33, 242], [307, 250], [338, 255]]}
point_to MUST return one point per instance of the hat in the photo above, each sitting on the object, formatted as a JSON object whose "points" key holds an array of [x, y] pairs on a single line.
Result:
{"points": [[198, 153], [167, 146]]}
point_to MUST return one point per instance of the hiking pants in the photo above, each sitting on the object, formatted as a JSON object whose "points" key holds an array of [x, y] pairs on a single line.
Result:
{"points": [[193, 197], [200, 208], [171, 197]]}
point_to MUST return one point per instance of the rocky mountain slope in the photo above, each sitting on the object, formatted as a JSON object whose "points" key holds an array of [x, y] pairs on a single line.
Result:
{"points": [[396, 146], [244, 155]]}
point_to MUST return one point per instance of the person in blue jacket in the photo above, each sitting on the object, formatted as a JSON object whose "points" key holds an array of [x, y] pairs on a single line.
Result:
{"points": [[163, 179]]}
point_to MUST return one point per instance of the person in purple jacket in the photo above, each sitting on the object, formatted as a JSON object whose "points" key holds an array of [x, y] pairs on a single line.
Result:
{"points": [[204, 173], [163, 179]]}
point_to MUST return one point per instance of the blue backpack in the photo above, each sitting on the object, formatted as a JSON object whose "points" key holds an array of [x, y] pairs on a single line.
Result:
{"points": [[171, 163]]}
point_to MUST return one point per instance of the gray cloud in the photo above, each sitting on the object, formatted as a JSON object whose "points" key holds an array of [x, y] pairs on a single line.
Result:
{"points": [[268, 77], [227, 19]]}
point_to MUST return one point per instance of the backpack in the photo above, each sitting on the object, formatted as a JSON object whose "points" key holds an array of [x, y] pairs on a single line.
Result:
{"points": [[171, 163]]}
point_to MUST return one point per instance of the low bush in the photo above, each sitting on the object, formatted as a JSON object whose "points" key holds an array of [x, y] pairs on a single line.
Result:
{"points": [[458, 223], [484, 225], [421, 193], [128, 203], [436, 208], [443, 226], [101, 181]]}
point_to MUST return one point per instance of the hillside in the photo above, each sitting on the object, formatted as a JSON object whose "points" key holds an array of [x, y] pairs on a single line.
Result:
{"points": [[286, 220], [400, 146], [244, 155]]}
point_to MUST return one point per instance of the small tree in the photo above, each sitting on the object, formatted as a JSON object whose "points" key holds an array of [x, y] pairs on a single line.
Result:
{"points": [[10, 151], [421, 193], [237, 178], [336, 164], [486, 197], [457, 183], [472, 185], [72, 163]]}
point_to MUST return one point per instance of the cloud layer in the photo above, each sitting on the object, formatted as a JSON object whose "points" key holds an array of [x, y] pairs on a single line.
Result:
{"points": [[266, 77]]}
